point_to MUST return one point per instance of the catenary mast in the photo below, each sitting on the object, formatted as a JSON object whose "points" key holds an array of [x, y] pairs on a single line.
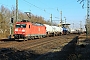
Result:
{"points": [[87, 26]]}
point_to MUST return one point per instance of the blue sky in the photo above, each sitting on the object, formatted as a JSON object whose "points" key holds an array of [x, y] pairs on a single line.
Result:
{"points": [[71, 9]]}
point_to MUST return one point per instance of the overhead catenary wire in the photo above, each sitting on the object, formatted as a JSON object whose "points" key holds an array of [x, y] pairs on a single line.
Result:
{"points": [[82, 1], [40, 8], [88, 17], [43, 9], [36, 7]]}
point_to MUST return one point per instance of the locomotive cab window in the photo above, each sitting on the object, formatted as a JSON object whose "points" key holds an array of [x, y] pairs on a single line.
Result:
{"points": [[20, 25]]}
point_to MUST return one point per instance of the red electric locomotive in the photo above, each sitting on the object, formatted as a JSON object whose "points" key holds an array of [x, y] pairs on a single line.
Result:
{"points": [[25, 29]]}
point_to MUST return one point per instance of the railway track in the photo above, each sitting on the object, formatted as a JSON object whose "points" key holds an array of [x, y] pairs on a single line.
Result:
{"points": [[33, 43], [39, 46]]}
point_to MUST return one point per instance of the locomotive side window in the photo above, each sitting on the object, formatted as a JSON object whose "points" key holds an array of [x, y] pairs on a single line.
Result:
{"points": [[23, 25], [20, 25], [29, 26]]}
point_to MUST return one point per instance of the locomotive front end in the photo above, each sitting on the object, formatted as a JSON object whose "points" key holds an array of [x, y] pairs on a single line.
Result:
{"points": [[19, 31]]}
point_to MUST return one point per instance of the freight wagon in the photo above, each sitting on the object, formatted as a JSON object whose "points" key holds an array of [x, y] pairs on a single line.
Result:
{"points": [[53, 30], [27, 30], [66, 31]]}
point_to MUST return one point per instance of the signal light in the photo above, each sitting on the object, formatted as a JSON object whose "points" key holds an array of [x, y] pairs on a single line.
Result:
{"points": [[12, 20]]}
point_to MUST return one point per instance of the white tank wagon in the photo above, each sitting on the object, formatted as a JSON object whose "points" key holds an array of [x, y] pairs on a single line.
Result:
{"points": [[76, 31], [53, 30], [49, 29], [57, 30]]}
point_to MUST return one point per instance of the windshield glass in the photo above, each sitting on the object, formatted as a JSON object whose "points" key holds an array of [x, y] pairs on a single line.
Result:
{"points": [[20, 25]]}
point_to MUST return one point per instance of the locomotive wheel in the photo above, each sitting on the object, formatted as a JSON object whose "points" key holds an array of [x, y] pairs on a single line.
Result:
{"points": [[43, 36], [26, 39], [29, 38], [39, 37], [32, 38]]}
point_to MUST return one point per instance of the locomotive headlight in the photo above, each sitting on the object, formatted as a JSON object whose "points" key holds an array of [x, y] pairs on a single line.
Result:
{"points": [[23, 30], [16, 29]]}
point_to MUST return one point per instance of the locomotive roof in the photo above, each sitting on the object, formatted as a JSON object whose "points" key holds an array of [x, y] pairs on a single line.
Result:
{"points": [[38, 24], [22, 22]]}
